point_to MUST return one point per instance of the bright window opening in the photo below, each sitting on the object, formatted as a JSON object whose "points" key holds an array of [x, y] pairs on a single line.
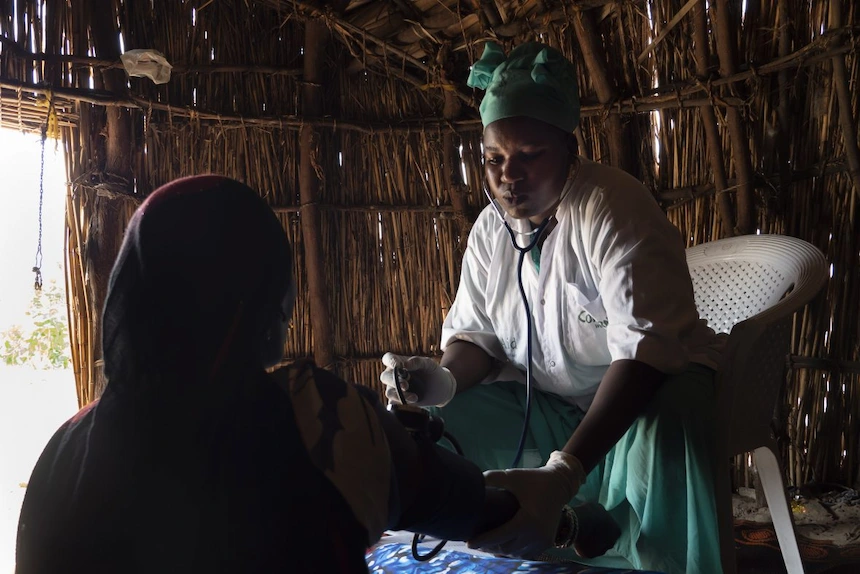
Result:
{"points": [[37, 387]]}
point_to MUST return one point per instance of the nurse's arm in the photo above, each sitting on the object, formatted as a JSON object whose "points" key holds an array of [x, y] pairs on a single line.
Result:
{"points": [[469, 363], [624, 393]]}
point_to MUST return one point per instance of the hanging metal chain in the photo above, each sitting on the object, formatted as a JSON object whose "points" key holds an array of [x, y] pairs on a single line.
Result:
{"points": [[50, 128], [37, 269]]}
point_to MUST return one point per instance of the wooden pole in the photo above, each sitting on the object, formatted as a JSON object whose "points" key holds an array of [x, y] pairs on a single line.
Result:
{"points": [[783, 135], [726, 23], [491, 13], [451, 156], [846, 117], [105, 229], [678, 195], [709, 122], [619, 152], [316, 39]]}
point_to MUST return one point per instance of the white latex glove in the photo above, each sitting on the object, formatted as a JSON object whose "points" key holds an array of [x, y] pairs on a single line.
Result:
{"points": [[541, 492], [429, 385]]}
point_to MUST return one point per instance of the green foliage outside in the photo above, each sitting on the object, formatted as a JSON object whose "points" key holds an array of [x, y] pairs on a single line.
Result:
{"points": [[43, 342]]}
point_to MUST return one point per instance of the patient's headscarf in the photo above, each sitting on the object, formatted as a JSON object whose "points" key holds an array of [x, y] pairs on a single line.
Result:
{"points": [[202, 273], [534, 81]]}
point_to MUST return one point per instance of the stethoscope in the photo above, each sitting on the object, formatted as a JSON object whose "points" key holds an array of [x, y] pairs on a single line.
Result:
{"points": [[535, 235], [403, 375]]}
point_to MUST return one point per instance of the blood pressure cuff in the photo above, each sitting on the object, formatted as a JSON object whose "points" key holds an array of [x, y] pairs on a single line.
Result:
{"points": [[449, 505], [390, 479]]}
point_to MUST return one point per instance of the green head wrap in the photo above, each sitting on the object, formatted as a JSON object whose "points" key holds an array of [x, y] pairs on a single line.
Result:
{"points": [[534, 81]]}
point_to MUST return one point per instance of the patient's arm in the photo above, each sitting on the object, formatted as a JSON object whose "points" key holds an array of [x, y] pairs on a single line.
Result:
{"points": [[439, 492], [401, 482]]}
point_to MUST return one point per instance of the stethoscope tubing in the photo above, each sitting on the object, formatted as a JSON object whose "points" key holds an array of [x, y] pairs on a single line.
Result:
{"points": [[523, 250]]}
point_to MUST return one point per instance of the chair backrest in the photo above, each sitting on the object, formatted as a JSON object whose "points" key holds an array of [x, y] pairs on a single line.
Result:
{"points": [[750, 287], [737, 278]]}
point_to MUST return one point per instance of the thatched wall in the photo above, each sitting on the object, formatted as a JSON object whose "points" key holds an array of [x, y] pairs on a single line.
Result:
{"points": [[751, 118]]}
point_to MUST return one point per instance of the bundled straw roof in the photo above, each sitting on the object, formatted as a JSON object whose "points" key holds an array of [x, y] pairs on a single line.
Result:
{"points": [[354, 121]]}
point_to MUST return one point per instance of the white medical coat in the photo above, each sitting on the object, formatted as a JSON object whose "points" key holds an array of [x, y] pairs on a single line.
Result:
{"points": [[613, 284]]}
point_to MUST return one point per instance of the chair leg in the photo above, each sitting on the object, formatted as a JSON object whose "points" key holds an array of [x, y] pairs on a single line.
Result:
{"points": [[770, 475], [725, 516]]}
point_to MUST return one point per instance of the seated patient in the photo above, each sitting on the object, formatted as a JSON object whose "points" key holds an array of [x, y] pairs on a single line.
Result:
{"points": [[197, 460]]}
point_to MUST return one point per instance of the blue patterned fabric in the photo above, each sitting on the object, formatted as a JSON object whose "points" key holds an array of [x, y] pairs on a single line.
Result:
{"points": [[397, 558]]}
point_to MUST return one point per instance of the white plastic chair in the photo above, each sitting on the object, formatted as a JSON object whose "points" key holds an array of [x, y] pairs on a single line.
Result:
{"points": [[750, 287]]}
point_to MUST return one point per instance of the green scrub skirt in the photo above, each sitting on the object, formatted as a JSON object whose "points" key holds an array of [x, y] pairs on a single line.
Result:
{"points": [[656, 482]]}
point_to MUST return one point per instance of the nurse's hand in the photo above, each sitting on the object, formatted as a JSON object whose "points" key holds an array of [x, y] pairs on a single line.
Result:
{"points": [[429, 384], [541, 492]]}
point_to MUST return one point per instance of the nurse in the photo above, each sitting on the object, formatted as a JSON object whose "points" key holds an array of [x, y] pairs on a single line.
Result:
{"points": [[622, 365]]}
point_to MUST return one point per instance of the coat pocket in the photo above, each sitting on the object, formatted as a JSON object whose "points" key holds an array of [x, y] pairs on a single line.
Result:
{"points": [[585, 327]]}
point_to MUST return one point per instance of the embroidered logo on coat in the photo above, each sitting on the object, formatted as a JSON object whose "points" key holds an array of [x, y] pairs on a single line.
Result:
{"points": [[585, 317]]}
